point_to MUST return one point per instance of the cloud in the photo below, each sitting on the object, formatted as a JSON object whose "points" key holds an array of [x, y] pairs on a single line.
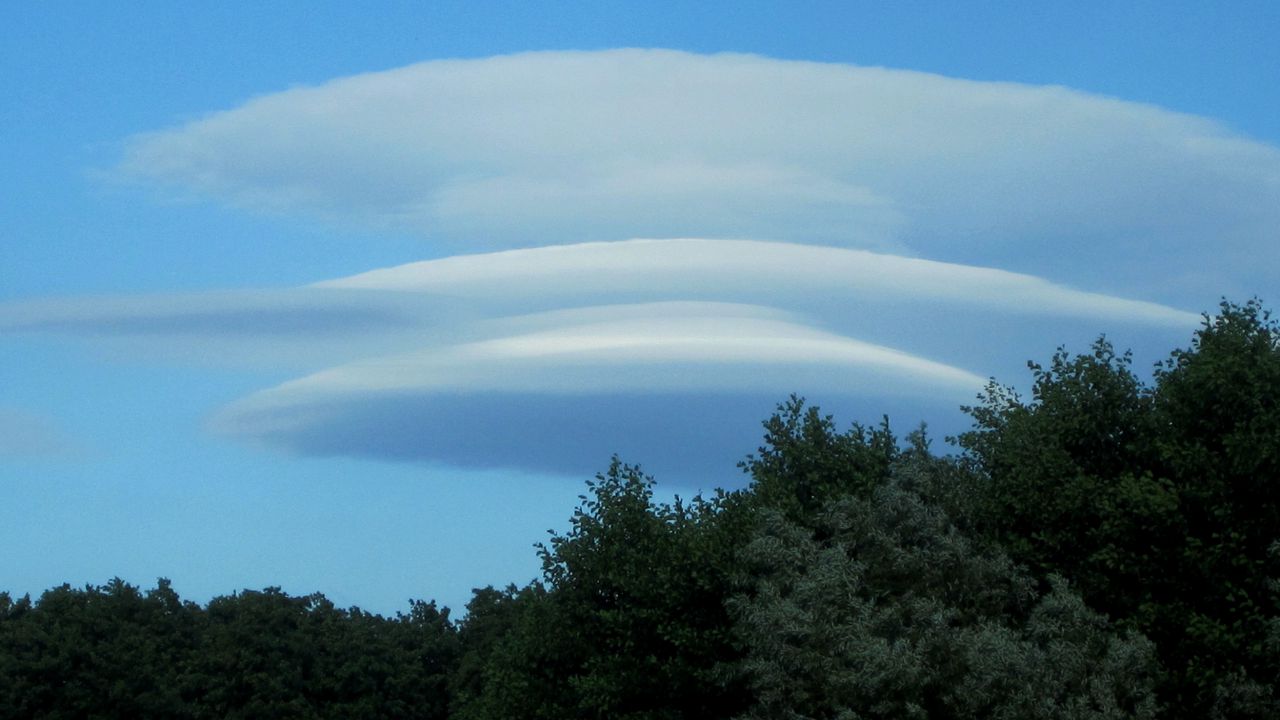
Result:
{"points": [[565, 147], [906, 236], [275, 313], [452, 296], [498, 359], [25, 435], [690, 438], [745, 271], [655, 381], [288, 327], [549, 359], [659, 347]]}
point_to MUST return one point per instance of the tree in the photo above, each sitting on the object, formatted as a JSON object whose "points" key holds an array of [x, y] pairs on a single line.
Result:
{"points": [[630, 621], [269, 654], [1158, 502], [805, 461], [114, 651], [878, 606], [1217, 408], [101, 650], [1070, 480]]}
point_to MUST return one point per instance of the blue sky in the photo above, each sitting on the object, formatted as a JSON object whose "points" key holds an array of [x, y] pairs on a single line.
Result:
{"points": [[287, 299]]}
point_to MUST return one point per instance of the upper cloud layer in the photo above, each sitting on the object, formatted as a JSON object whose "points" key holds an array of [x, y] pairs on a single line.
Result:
{"points": [[558, 147]]}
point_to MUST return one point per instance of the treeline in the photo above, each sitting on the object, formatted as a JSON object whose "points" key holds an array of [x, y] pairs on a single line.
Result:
{"points": [[1105, 548]]}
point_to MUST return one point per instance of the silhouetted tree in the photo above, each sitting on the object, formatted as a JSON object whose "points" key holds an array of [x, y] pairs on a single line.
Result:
{"points": [[1160, 502]]}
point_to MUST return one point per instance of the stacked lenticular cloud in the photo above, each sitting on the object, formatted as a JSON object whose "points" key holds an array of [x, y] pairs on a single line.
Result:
{"points": [[835, 231]]}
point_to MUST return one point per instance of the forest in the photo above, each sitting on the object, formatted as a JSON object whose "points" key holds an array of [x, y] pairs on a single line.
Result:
{"points": [[1105, 547]]}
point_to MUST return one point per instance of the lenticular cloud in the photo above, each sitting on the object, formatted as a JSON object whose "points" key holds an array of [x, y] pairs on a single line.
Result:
{"points": [[550, 358], [567, 147], [912, 235]]}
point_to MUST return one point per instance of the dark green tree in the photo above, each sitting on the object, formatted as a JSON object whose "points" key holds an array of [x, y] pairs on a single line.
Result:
{"points": [[1071, 485], [113, 651], [630, 621], [100, 651], [876, 605], [517, 659], [269, 654], [805, 461], [1159, 502]]}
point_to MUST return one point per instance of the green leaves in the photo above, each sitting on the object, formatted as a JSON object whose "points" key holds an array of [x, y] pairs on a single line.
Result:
{"points": [[806, 462], [1103, 549], [1158, 502], [114, 651], [885, 609]]}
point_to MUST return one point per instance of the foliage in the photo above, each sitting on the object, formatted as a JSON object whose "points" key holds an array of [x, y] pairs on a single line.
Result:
{"points": [[805, 461], [883, 609], [1105, 548], [113, 651], [517, 658], [631, 623], [107, 650], [1158, 502]]}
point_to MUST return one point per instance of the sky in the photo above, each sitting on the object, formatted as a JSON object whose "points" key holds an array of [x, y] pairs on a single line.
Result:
{"points": [[353, 299]]}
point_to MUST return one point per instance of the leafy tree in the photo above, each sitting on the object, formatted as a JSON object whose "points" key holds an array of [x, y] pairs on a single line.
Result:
{"points": [[879, 607], [108, 651], [517, 658], [114, 651], [269, 654], [805, 461], [1158, 502], [631, 620], [644, 583], [1071, 485], [1217, 405]]}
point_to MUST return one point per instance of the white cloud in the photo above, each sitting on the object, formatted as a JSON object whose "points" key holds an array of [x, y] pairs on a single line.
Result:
{"points": [[560, 147], [293, 327], [469, 346], [745, 271], [469, 297], [651, 370], [658, 347], [914, 234]]}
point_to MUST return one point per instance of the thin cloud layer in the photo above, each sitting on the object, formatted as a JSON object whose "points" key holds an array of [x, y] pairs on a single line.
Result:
{"points": [[451, 296], [266, 313], [294, 328], [745, 271], [658, 347], [30, 436], [650, 374], [562, 147], [437, 360]]}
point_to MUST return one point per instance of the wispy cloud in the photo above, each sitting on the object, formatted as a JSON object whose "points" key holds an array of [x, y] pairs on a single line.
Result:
{"points": [[25, 436], [292, 327], [563, 147], [267, 313]]}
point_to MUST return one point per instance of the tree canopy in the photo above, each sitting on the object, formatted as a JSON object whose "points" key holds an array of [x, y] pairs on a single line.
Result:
{"points": [[1105, 547]]}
